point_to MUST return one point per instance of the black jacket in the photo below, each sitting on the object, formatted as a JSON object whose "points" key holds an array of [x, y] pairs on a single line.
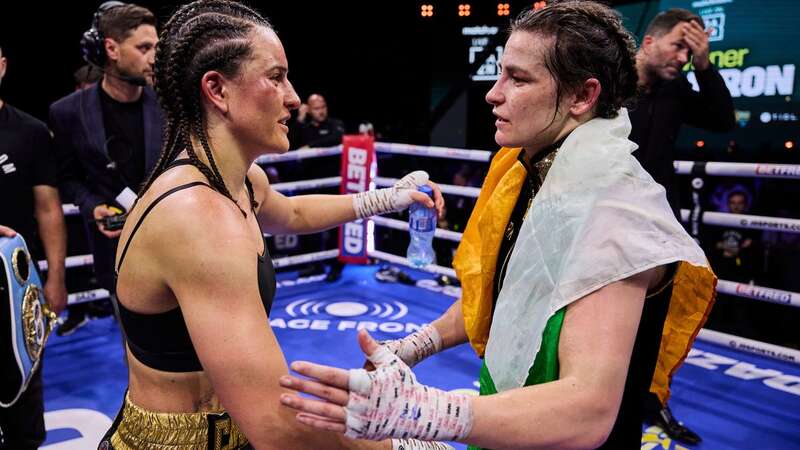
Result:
{"points": [[658, 115], [325, 134], [84, 178]]}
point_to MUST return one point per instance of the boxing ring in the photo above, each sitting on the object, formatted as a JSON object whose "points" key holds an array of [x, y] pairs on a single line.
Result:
{"points": [[737, 393]]}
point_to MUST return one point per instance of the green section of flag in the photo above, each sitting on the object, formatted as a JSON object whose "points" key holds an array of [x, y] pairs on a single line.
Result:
{"points": [[545, 366]]}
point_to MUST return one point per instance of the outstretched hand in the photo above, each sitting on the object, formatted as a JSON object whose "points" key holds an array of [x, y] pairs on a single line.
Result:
{"points": [[330, 384], [387, 402]]}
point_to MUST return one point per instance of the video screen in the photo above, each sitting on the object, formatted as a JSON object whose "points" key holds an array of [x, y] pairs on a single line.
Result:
{"points": [[751, 45]]}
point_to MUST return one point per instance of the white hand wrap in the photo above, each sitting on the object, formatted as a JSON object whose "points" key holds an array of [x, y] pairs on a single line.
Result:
{"points": [[393, 199], [411, 444], [417, 346], [389, 402]]}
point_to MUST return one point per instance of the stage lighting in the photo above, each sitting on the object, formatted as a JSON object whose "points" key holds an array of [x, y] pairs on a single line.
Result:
{"points": [[464, 10], [539, 5], [426, 10], [700, 144], [503, 9], [789, 145]]}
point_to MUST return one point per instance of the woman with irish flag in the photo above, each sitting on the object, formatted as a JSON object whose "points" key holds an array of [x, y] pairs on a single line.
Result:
{"points": [[581, 291]]}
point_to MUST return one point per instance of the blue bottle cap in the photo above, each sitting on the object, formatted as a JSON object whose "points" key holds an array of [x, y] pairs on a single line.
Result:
{"points": [[426, 189]]}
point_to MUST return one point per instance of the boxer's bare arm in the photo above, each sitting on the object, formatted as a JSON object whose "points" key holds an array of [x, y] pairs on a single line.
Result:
{"points": [[302, 214], [214, 278]]}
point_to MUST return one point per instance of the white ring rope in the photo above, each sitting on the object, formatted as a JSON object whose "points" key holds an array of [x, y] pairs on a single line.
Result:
{"points": [[757, 170], [308, 184], [403, 261], [759, 293], [466, 191], [401, 225], [71, 261], [303, 153], [70, 209], [305, 258], [789, 355], [747, 221], [87, 296], [435, 152]]}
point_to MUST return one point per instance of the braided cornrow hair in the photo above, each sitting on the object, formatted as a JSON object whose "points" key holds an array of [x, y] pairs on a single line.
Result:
{"points": [[201, 36], [589, 41]]}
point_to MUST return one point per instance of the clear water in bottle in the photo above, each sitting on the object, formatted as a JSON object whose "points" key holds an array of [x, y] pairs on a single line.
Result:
{"points": [[421, 227]]}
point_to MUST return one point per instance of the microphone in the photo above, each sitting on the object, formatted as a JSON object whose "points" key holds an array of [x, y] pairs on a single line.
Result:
{"points": [[136, 81]]}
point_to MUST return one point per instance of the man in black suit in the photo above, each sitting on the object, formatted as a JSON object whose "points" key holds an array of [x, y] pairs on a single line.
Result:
{"points": [[667, 102], [108, 136], [672, 39]]}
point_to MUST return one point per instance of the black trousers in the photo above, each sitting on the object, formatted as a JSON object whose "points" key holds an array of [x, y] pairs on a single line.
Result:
{"points": [[22, 424]]}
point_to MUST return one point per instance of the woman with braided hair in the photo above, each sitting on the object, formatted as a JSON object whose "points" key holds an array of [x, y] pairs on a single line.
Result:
{"points": [[570, 265], [194, 280]]}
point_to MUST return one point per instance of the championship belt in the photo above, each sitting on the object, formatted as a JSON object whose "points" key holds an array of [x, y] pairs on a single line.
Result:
{"points": [[25, 319]]}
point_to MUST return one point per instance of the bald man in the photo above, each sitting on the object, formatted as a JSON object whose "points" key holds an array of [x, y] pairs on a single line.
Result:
{"points": [[316, 129]]}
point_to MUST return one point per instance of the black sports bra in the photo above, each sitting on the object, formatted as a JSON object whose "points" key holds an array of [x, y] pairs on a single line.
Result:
{"points": [[161, 341]]}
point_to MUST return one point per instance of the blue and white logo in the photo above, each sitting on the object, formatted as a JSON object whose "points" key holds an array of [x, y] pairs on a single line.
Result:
{"points": [[343, 314], [345, 309]]}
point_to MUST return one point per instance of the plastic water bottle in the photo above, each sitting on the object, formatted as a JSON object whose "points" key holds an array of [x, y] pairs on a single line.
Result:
{"points": [[421, 227]]}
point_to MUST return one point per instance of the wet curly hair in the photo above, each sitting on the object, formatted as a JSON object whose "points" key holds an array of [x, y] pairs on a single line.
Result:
{"points": [[589, 41]]}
